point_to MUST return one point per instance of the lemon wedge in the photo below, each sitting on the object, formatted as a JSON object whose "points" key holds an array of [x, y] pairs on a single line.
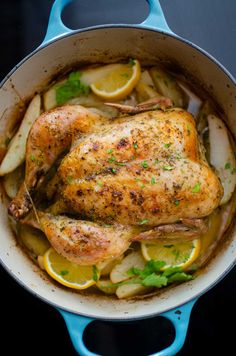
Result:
{"points": [[177, 254], [118, 83], [68, 273]]}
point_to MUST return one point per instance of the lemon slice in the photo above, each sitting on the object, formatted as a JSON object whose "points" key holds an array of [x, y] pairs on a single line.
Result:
{"points": [[178, 254], [119, 82], [68, 273]]}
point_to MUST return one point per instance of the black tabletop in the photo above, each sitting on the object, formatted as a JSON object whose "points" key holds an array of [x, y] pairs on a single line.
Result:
{"points": [[31, 327]]}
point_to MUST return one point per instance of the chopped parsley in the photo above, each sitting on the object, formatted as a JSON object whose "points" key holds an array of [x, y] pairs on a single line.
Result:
{"points": [[72, 88], [69, 179], [111, 159], [196, 188], [110, 151], [143, 222], [95, 273], [144, 164], [135, 145], [177, 202], [32, 158], [113, 170], [168, 168], [167, 145], [227, 165], [100, 184], [153, 181], [64, 273], [131, 62]]}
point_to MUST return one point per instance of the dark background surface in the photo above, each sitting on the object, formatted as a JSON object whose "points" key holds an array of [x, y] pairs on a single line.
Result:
{"points": [[31, 327]]}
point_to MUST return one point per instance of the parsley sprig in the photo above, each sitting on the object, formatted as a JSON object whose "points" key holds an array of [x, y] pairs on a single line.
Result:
{"points": [[153, 276], [72, 88]]}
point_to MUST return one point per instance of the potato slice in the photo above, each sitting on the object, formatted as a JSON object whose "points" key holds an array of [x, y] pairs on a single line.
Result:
{"points": [[222, 155], [13, 180], [205, 110], [130, 290], [119, 272], [106, 286], [15, 155], [168, 86], [106, 267], [34, 240], [49, 97]]}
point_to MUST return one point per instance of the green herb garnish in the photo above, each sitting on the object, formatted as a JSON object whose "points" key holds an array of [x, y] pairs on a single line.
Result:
{"points": [[153, 181], [144, 164], [153, 276], [32, 158], [110, 151], [64, 273], [227, 165], [95, 273], [72, 88], [196, 188], [69, 179], [131, 62], [135, 145], [113, 170], [177, 202], [168, 168], [143, 222], [167, 145]]}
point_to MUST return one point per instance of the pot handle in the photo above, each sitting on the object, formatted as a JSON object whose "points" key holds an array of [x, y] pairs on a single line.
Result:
{"points": [[156, 18], [56, 28], [179, 317]]}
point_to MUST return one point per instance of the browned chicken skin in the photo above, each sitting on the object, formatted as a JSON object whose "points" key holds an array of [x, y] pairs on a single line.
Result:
{"points": [[133, 174]]}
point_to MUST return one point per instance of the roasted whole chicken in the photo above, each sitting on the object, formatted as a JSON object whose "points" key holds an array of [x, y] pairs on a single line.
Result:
{"points": [[133, 178]]}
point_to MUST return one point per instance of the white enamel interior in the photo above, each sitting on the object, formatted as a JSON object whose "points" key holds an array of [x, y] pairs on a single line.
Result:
{"points": [[98, 45]]}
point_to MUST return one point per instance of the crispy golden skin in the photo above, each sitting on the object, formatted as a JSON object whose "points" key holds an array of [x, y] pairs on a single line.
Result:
{"points": [[145, 169], [85, 242], [133, 173]]}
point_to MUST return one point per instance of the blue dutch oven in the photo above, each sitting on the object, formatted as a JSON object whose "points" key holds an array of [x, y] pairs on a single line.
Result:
{"points": [[151, 41]]}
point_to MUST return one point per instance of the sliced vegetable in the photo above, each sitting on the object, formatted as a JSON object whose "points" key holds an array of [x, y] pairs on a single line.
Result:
{"points": [[33, 239], [168, 86], [205, 110], [119, 272], [130, 290], [222, 156], [106, 286], [13, 180], [145, 88], [15, 155], [107, 266]]}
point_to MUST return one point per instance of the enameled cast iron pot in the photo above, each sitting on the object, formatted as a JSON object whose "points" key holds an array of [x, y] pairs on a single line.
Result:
{"points": [[150, 42]]}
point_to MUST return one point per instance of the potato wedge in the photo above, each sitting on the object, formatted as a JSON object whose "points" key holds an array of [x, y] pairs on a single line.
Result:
{"points": [[33, 239], [107, 266], [130, 290], [106, 286], [222, 156], [194, 102], [13, 180], [15, 155], [49, 97], [119, 272], [168, 86], [205, 110]]}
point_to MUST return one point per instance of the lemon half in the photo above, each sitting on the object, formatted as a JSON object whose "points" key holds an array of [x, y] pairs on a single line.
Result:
{"points": [[119, 82], [68, 273], [177, 254]]}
